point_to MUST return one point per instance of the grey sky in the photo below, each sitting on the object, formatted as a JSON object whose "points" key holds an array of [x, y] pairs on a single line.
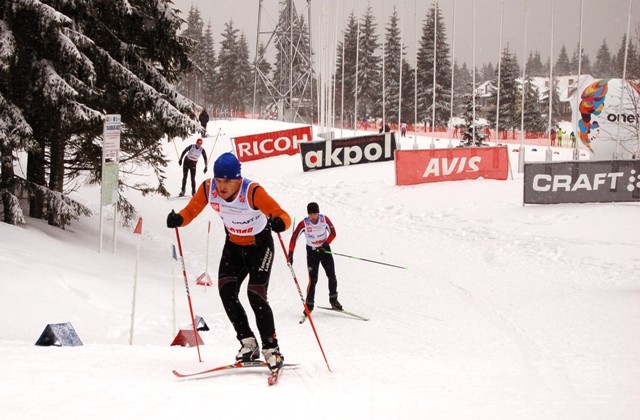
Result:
{"points": [[602, 19]]}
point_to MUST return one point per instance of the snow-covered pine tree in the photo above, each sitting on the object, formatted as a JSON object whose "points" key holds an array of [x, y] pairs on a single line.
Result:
{"points": [[191, 83], [632, 60], [442, 88], [345, 69], [229, 63], [585, 64], [75, 62], [244, 74], [462, 86], [369, 68], [535, 67], [534, 117], [562, 66], [509, 119], [602, 67], [209, 94], [393, 60]]}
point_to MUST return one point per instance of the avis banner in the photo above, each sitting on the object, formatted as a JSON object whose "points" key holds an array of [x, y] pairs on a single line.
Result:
{"points": [[260, 146], [436, 165], [582, 182], [348, 151]]}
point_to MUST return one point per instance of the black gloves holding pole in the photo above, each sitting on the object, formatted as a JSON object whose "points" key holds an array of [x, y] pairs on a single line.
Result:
{"points": [[174, 220]]}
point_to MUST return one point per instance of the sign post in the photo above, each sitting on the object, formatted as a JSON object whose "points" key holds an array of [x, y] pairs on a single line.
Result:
{"points": [[110, 168]]}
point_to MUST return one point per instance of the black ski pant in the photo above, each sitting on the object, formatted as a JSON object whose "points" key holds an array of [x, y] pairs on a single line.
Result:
{"points": [[189, 167], [238, 262], [314, 259]]}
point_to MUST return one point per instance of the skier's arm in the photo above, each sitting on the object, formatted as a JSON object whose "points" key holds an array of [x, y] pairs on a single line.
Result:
{"points": [[295, 236], [332, 230], [262, 201], [195, 205], [184, 152]]}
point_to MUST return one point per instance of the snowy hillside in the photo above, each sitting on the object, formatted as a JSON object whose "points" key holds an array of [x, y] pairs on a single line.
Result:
{"points": [[505, 311]]}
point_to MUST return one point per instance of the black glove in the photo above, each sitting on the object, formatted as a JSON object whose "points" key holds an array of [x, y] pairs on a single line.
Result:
{"points": [[205, 169], [324, 247], [290, 257], [174, 220], [277, 224], [180, 162]]}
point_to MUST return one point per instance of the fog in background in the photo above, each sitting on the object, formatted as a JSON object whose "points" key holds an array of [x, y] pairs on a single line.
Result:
{"points": [[601, 20]]}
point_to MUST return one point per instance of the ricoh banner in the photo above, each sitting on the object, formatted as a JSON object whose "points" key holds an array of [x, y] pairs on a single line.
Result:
{"points": [[260, 146], [582, 182], [436, 165], [349, 151]]}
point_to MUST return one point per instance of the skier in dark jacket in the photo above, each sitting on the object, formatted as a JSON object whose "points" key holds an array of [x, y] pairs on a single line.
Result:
{"points": [[193, 152], [319, 233], [204, 119]]}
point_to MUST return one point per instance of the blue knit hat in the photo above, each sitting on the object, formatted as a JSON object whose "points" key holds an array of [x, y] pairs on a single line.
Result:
{"points": [[227, 166]]}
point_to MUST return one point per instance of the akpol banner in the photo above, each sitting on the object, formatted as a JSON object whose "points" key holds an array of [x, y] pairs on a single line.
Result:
{"points": [[606, 114], [582, 182], [436, 165], [347, 151], [275, 143]]}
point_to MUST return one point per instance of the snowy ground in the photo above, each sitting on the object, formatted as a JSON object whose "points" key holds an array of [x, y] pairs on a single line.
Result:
{"points": [[506, 311]]}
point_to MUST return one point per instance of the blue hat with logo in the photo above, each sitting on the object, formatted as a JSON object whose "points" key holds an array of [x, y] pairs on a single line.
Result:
{"points": [[227, 166]]}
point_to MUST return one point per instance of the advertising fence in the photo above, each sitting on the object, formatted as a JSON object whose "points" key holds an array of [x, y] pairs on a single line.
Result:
{"points": [[347, 151], [263, 145], [436, 165], [582, 182]]}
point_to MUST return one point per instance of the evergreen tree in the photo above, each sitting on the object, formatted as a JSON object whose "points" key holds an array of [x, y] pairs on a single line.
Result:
{"points": [[442, 89], [534, 120], [488, 72], [244, 75], [393, 60], [602, 67], [509, 93], [585, 64], [209, 94], [191, 84], [228, 86], [555, 103], [73, 63], [534, 67], [462, 87], [632, 59], [345, 69], [562, 66], [369, 71]]}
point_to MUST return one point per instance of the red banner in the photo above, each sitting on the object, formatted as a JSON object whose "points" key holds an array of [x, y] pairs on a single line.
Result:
{"points": [[260, 146], [435, 165]]}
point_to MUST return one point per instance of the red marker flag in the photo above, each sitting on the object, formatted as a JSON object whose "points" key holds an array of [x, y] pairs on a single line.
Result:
{"points": [[138, 229]]}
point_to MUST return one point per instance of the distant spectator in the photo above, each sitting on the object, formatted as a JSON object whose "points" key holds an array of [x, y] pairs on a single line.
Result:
{"points": [[403, 129], [552, 134], [559, 133], [204, 120], [572, 137]]}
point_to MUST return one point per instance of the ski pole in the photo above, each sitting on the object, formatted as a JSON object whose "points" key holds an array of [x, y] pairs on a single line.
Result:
{"points": [[214, 143], [364, 259], [186, 285], [306, 309]]}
